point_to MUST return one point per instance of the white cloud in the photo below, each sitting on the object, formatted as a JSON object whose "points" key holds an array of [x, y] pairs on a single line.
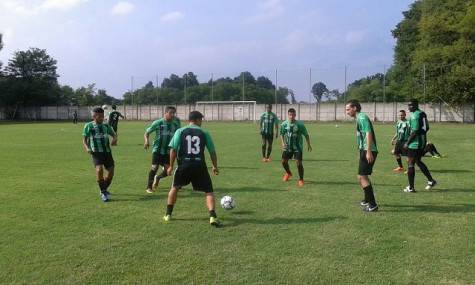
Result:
{"points": [[122, 8], [355, 37], [172, 17], [60, 4], [268, 10]]}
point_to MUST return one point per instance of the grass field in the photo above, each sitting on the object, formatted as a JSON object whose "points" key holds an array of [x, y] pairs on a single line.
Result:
{"points": [[55, 229]]}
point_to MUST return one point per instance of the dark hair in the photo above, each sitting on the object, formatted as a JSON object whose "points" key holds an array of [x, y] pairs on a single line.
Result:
{"points": [[269, 106], [98, 110], [402, 111], [195, 116], [291, 110], [354, 104], [414, 102], [168, 108], [114, 107]]}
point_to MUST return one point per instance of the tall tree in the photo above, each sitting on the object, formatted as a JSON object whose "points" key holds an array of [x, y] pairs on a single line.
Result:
{"points": [[318, 90]]}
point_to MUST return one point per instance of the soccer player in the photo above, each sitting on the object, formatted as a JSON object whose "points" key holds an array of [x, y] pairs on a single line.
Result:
{"points": [[75, 117], [96, 143], [188, 148], [291, 132], [430, 147], [164, 129], [399, 139], [269, 124], [114, 118], [368, 152], [415, 146]]}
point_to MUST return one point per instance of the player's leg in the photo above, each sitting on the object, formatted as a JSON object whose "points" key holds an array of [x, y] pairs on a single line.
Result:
{"points": [[109, 166], [365, 169], [299, 163], [152, 172], [181, 177], [285, 165], [165, 162], [171, 201], [263, 148], [201, 181], [397, 154], [101, 183], [430, 181], [270, 141], [411, 172]]}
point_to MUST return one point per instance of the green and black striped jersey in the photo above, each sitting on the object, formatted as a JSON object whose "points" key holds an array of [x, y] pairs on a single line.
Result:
{"points": [[403, 130], [292, 134], [114, 118], [97, 136], [164, 132], [419, 124], [268, 122], [364, 126]]}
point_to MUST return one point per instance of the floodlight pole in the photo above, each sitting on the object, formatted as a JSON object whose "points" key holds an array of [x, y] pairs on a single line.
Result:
{"points": [[132, 88], [384, 93], [184, 92], [424, 78], [156, 86], [275, 88], [212, 88], [242, 75], [310, 86]]}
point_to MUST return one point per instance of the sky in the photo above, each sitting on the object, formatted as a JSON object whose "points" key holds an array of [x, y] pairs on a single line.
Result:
{"points": [[107, 42]]}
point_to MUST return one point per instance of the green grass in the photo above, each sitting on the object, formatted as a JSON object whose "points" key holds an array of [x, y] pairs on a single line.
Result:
{"points": [[55, 229]]}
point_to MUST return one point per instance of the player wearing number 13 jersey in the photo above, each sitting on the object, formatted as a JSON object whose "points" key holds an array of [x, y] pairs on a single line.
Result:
{"points": [[188, 148]]}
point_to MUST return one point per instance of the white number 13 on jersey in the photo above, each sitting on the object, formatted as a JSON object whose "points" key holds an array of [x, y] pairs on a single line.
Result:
{"points": [[193, 144]]}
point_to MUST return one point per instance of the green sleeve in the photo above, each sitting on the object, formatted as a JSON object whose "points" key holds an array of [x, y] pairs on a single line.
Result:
{"points": [[154, 126], [276, 121], [364, 125], [176, 140], [85, 131], [178, 122], [303, 129], [209, 143], [261, 118], [282, 130]]}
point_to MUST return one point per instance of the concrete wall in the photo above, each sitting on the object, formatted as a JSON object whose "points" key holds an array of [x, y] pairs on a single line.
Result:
{"points": [[324, 112]]}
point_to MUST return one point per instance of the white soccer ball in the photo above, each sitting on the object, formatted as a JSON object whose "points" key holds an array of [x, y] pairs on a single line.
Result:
{"points": [[104, 107], [228, 203]]}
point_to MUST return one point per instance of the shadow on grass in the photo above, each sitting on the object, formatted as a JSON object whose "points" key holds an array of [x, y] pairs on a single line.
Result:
{"points": [[237, 167], [249, 189], [339, 183], [325, 160], [453, 190], [454, 208], [233, 222], [451, 170]]}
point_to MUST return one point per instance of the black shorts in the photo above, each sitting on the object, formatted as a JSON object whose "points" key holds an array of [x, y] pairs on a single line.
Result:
{"points": [[415, 153], [292, 154], [364, 167], [160, 159], [197, 175], [114, 126], [399, 149], [267, 137], [103, 158]]}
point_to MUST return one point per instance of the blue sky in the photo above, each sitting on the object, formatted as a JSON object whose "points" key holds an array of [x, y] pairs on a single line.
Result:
{"points": [[106, 42]]}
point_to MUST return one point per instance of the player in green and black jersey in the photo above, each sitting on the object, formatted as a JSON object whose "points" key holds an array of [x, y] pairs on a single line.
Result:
{"points": [[415, 146], [164, 129], [291, 132], [269, 124], [188, 148], [400, 137], [96, 143], [114, 116], [368, 149]]}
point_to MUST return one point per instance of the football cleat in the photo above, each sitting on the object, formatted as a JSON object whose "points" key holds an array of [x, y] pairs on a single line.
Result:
{"points": [[268, 159], [156, 181], [398, 169], [104, 197], [300, 183], [214, 222], [264, 159], [149, 190], [167, 218], [431, 184], [286, 177], [409, 190], [370, 208], [363, 203]]}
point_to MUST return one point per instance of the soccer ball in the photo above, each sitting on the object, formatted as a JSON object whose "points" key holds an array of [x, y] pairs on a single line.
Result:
{"points": [[104, 107], [227, 203]]}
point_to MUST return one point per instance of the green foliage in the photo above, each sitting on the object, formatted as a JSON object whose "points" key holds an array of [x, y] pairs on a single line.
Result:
{"points": [[318, 90]]}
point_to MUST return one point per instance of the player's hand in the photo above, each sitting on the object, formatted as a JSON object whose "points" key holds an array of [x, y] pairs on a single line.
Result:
{"points": [[215, 171], [393, 142], [89, 151], [146, 145], [405, 146], [284, 146], [169, 171], [309, 147], [369, 157], [114, 142]]}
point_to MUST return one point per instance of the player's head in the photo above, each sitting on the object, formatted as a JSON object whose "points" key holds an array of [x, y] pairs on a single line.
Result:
{"points": [[352, 108], [170, 112], [402, 115], [98, 115], [269, 107], [114, 107], [291, 113], [413, 105], [195, 117]]}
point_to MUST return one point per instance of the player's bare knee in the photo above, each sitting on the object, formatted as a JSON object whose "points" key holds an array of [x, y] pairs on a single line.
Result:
{"points": [[154, 167]]}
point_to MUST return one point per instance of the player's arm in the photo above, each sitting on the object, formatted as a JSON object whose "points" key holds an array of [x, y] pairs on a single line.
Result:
{"points": [[120, 115], [307, 137], [85, 139], [212, 153], [369, 143], [276, 126], [174, 145], [393, 139], [146, 136], [173, 154], [113, 135]]}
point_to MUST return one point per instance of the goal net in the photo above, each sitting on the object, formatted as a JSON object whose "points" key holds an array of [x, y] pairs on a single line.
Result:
{"points": [[228, 110]]}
